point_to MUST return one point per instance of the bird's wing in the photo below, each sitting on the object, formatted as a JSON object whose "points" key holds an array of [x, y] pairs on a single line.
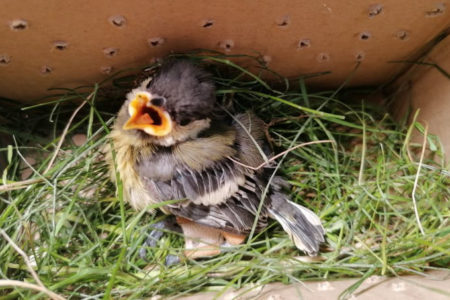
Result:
{"points": [[236, 214], [219, 192], [223, 196]]}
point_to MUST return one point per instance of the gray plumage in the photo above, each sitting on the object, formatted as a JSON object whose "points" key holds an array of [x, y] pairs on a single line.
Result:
{"points": [[202, 168], [193, 95]]}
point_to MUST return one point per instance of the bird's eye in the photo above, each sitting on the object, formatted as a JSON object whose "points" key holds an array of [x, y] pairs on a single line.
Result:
{"points": [[158, 101], [184, 122]]}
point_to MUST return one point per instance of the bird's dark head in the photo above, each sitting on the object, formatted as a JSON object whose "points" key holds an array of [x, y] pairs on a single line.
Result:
{"points": [[174, 105]]}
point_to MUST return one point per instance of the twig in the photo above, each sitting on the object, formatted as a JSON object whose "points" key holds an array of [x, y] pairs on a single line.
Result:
{"points": [[40, 287], [422, 154], [25, 257], [17, 283], [19, 184], [279, 154]]}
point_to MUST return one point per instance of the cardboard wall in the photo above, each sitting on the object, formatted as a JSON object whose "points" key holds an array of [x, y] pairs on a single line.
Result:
{"points": [[60, 43], [427, 88]]}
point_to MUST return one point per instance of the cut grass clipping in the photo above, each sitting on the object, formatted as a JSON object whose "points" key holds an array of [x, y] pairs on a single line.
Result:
{"points": [[383, 197]]}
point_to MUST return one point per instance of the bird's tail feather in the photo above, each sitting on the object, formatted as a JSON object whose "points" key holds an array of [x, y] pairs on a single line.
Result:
{"points": [[302, 225]]}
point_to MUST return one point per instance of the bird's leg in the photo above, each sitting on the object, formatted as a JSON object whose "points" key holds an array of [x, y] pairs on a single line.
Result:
{"points": [[169, 224], [200, 240], [231, 241]]}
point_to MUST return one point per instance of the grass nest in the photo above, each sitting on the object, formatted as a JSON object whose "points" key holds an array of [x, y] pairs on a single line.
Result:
{"points": [[383, 198]]}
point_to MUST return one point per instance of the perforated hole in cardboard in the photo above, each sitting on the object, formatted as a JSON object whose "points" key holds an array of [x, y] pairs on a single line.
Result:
{"points": [[18, 25], [439, 9], [117, 20], [207, 23], [283, 21], [107, 70], [375, 10], [46, 70], [227, 45], [60, 45], [156, 41], [402, 35], [110, 52], [304, 43], [323, 57], [5, 59], [364, 36], [360, 55]]}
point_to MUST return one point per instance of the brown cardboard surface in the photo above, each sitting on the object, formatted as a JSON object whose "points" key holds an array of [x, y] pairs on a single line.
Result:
{"points": [[60, 43], [426, 88], [435, 286]]}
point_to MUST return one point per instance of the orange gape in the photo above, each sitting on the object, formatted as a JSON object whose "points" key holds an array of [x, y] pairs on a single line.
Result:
{"points": [[144, 120], [147, 117]]}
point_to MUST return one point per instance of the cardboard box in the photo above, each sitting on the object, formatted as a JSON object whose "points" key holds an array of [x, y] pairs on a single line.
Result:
{"points": [[54, 43], [66, 44]]}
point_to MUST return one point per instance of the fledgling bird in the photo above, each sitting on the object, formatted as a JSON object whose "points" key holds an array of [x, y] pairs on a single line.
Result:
{"points": [[170, 142]]}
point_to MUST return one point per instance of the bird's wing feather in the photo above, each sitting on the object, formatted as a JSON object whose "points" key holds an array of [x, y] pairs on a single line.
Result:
{"points": [[236, 214], [219, 192], [223, 196]]}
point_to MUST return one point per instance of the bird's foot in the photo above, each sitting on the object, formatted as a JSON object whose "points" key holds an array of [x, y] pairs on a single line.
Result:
{"points": [[158, 230]]}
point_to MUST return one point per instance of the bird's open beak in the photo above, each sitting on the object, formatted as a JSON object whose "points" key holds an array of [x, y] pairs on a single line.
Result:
{"points": [[151, 119]]}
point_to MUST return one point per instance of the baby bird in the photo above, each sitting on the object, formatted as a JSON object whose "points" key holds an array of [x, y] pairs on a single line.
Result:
{"points": [[172, 141]]}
